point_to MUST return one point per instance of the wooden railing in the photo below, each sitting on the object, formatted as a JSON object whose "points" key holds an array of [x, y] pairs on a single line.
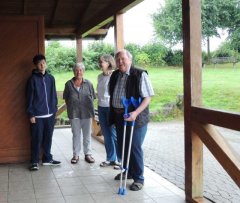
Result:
{"points": [[203, 121], [96, 129], [61, 109]]}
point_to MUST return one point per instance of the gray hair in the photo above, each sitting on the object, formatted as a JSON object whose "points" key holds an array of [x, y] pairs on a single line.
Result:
{"points": [[79, 65], [129, 55], [109, 59]]}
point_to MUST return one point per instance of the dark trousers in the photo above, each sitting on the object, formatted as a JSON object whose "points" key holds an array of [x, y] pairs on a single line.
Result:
{"points": [[136, 165], [42, 132]]}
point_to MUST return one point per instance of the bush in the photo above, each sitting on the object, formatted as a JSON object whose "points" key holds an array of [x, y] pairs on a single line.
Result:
{"points": [[60, 58], [101, 48], [225, 50], [156, 52], [94, 51], [174, 58], [142, 59], [90, 60], [135, 50]]}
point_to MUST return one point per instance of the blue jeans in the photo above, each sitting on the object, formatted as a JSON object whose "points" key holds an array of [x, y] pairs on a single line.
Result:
{"points": [[41, 133], [136, 165], [109, 133]]}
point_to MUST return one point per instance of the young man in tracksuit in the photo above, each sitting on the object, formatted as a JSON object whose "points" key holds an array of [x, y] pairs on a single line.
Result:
{"points": [[41, 108]]}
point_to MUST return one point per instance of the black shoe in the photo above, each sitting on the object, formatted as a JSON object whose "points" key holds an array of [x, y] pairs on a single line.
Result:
{"points": [[34, 167], [51, 163], [118, 176], [136, 186]]}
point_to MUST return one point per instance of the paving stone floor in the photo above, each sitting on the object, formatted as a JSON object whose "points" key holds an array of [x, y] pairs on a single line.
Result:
{"points": [[164, 154], [80, 183]]}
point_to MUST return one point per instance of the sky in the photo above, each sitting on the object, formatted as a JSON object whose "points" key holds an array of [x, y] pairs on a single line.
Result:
{"points": [[138, 27], [137, 22]]}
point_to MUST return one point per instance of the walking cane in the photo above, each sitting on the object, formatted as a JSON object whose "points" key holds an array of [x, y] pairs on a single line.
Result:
{"points": [[126, 104], [136, 103]]}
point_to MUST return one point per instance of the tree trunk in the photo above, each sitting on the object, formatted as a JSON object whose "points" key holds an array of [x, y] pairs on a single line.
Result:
{"points": [[208, 49]]}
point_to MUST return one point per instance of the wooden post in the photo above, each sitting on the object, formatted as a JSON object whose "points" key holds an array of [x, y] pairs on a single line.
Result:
{"points": [[79, 49], [192, 63], [118, 31]]}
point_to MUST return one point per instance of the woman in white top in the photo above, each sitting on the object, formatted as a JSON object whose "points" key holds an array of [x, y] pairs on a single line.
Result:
{"points": [[107, 64]]}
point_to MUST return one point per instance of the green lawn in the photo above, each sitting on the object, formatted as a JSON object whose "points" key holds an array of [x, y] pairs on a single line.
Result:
{"points": [[62, 78], [221, 85]]}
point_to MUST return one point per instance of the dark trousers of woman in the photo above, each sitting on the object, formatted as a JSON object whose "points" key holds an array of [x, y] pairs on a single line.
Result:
{"points": [[41, 133]]}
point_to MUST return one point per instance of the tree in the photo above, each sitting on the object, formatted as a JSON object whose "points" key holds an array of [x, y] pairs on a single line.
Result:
{"points": [[94, 51], [216, 14], [156, 52], [59, 58], [167, 22], [234, 28]]}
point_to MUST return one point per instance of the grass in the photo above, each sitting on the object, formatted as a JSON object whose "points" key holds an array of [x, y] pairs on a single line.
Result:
{"points": [[62, 78], [221, 86]]}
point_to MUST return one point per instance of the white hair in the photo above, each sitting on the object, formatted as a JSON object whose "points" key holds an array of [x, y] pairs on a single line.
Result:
{"points": [[79, 65], [123, 51]]}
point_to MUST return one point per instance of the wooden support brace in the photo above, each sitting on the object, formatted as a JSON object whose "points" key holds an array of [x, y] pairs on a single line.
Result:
{"points": [[222, 151]]}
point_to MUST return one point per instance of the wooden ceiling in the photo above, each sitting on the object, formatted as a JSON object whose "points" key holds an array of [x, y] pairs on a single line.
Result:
{"points": [[70, 18]]}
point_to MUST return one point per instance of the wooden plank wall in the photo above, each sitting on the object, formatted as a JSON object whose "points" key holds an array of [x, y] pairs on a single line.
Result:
{"points": [[21, 38]]}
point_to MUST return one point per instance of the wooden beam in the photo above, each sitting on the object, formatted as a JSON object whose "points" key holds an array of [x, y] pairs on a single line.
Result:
{"points": [[187, 99], [215, 117], [221, 150], [96, 131], [63, 31], [53, 14], [106, 15], [60, 31], [197, 166], [61, 109], [199, 200], [24, 7], [79, 49], [83, 15], [100, 31], [41, 35], [82, 18], [118, 32], [107, 21], [191, 10]]}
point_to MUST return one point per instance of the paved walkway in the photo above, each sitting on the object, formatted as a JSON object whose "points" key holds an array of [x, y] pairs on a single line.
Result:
{"points": [[164, 154], [78, 183]]}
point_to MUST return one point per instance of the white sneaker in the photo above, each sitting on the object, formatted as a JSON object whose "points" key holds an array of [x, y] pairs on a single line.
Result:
{"points": [[51, 163]]}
